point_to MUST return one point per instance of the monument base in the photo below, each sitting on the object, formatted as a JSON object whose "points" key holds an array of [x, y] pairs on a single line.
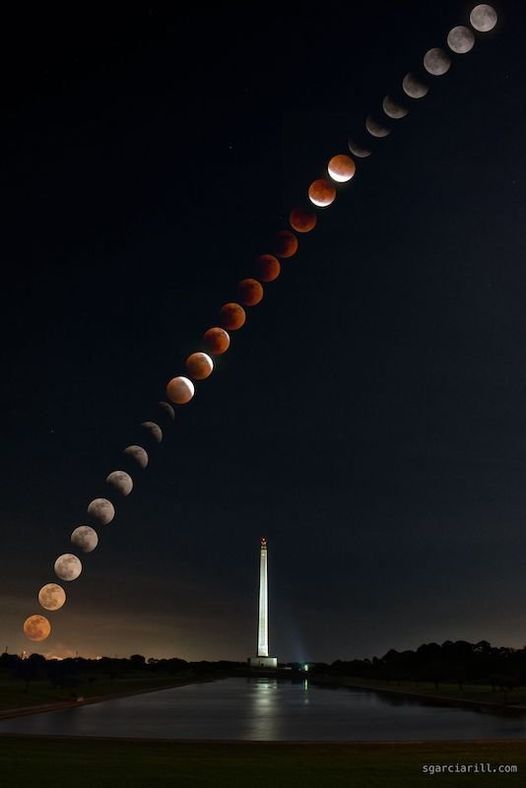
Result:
{"points": [[263, 662]]}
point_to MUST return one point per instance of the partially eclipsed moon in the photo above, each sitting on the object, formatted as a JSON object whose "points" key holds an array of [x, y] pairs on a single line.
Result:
{"points": [[216, 340], [120, 481], [413, 87], [101, 510], [437, 62], [52, 596], [37, 628], [322, 193], [393, 109], [154, 430], [85, 538], [199, 366], [167, 408], [375, 128], [68, 567], [180, 390], [460, 39], [138, 454], [483, 18], [341, 168], [358, 150]]}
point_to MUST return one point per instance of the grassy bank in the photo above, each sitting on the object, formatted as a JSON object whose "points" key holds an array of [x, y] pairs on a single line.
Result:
{"points": [[50, 762], [477, 693]]}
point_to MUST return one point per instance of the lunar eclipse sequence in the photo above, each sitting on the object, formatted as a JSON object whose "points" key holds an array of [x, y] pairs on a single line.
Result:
{"points": [[232, 316]]}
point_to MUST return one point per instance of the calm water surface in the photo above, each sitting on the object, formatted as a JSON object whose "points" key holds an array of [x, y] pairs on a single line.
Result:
{"points": [[268, 709]]}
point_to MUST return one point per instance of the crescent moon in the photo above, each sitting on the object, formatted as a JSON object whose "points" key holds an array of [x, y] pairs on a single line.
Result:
{"points": [[154, 430], [436, 62], [413, 87], [375, 128], [460, 40], [85, 538], [358, 150], [138, 454], [120, 481], [102, 510], [393, 109], [483, 18]]}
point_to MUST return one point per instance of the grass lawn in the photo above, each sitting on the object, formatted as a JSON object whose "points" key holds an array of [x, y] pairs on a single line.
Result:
{"points": [[476, 692], [85, 763]]}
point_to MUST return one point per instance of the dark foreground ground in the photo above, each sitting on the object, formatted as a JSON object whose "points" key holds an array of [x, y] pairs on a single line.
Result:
{"points": [[85, 763]]}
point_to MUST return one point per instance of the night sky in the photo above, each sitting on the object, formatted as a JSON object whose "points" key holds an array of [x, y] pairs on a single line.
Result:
{"points": [[369, 419]]}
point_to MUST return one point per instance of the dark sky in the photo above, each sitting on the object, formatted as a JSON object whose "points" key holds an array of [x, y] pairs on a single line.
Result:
{"points": [[369, 419]]}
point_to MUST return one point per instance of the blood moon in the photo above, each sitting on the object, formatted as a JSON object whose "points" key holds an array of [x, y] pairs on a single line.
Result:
{"points": [[232, 316], [37, 628], [302, 220], [216, 340], [285, 244], [322, 193], [250, 292], [199, 366], [267, 267]]}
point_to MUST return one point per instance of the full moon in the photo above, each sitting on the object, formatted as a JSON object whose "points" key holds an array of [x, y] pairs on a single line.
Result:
{"points": [[413, 87], [85, 538], [322, 193], [460, 39], [68, 567], [199, 366], [101, 510], [120, 481], [138, 454], [267, 267], [302, 220], [216, 340], [180, 390], [232, 316], [250, 292], [375, 128], [358, 150], [341, 168], [37, 628], [285, 244], [52, 596], [436, 62], [154, 430], [483, 18], [393, 109]]}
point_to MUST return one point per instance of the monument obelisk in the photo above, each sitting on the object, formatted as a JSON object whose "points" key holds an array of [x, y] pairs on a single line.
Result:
{"points": [[263, 660]]}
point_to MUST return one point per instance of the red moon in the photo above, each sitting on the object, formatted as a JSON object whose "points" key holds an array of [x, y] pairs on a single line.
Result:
{"points": [[250, 292], [302, 220], [267, 267], [285, 244], [322, 193], [180, 390], [341, 168], [216, 340], [232, 316], [37, 628], [199, 366]]}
